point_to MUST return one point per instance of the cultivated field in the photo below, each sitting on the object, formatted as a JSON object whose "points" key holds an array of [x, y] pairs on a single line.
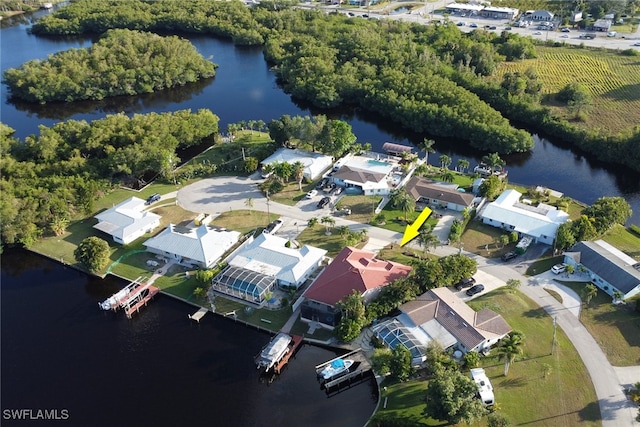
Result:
{"points": [[613, 79]]}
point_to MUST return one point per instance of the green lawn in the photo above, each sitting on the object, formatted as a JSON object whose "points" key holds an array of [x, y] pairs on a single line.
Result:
{"points": [[543, 264], [615, 328], [564, 398], [478, 239], [291, 193], [243, 221], [316, 236], [362, 207], [625, 240]]}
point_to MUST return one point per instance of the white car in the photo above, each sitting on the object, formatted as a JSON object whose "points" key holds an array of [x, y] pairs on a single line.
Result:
{"points": [[559, 268], [311, 194], [637, 44]]}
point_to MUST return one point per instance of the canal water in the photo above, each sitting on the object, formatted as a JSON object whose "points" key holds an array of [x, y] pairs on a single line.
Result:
{"points": [[61, 352]]}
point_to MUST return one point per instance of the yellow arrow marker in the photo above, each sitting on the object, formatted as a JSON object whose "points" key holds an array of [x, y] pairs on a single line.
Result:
{"points": [[411, 232]]}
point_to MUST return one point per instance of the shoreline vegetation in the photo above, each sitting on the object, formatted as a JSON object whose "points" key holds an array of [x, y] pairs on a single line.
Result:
{"points": [[121, 63], [407, 72]]}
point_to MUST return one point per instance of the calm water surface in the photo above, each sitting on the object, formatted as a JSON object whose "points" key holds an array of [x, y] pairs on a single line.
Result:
{"points": [[59, 351]]}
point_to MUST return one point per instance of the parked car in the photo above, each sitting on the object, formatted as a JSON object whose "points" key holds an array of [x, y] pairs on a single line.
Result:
{"points": [[637, 44], [311, 194], [565, 30], [508, 256], [559, 268], [465, 283], [153, 198], [323, 202], [475, 290], [273, 227], [461, 24], [322, 184], [473, 25], [507, 28], [537, 33], [493, 27]]}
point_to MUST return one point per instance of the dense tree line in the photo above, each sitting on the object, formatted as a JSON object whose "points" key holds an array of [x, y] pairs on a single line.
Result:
{"points": [[48, 180], [122, 62], [345, 59]]}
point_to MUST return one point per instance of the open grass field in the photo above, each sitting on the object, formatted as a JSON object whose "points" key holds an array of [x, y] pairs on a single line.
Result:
{"points": [[613, 79], [478, 239], [625, 240], [562, 397], [243, 221], [615, 328], [316, 236]]}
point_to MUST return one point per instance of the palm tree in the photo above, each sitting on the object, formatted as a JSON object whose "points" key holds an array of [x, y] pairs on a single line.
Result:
{"points": [[463, 165], [249, 203], [447, 176], [493, 160], [252, 125], [445, 161], [427, 146], [617, 296], [328, 222], [298, 172], [589, 292], [344, 231], [312, 222], [404, 202], [261, 125], [427, 240], [510, 347]]}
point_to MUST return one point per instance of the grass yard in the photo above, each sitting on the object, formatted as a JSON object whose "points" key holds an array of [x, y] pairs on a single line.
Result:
{"points": [[615, 328], [362, 207], [243, 221], [543, 264], [316, 236], [275, 318], [478, 239], [291, 194], [563, 397], [625, 240], [612, 79], [403, 255]]}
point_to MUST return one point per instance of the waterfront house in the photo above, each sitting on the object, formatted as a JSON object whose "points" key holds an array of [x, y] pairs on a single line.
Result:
{"points": [[607, 267], [351, 270], [369, 173], [440, 315], [439, 194], [263, 262], [198, 247], [127, 221], [314, 163], [539, 222]]}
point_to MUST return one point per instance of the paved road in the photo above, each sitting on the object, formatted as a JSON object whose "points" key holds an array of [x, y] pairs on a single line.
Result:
{"points": [[221, 194]]}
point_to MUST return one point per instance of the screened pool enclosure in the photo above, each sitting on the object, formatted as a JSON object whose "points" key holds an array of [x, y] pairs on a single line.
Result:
{"points": [[245, 284]]}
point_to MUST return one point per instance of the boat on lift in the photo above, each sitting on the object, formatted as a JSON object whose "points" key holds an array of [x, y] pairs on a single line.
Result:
{"points": [[335, 369], [273, 352]]}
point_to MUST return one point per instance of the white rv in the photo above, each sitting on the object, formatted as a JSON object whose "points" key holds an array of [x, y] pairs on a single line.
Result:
{"points": [[485, 390]]}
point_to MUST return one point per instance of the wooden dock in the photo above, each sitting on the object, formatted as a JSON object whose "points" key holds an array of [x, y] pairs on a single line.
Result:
{"points": [[139, 298], [296, 341], [198, 314]]}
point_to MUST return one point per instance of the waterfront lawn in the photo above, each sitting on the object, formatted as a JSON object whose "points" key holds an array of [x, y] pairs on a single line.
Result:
{"points": [[527, 396], [406, 401], [255, 316], [175, 282], [616, 328], [320, 334], [228, 155], [243, 221], [625, 240], [120, 194]]}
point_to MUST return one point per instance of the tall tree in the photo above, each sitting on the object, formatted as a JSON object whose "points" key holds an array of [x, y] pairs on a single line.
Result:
{"points": [[400, 365], [588, 292], [405, 202], [328, 222], [427, 239], [93, 253], [445, 161], [353, 317], [298, 173], [510, 347], [427, 146], [451, 397], [463, 165]]}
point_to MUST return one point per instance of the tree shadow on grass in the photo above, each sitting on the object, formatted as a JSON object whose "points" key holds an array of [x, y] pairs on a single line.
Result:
{"points": [[591, 412], [513, 382], [630, 92], [536, 313]]}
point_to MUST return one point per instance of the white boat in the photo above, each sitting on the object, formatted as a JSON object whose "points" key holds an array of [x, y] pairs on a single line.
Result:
{"points": [[335, 368], [273, 352]]}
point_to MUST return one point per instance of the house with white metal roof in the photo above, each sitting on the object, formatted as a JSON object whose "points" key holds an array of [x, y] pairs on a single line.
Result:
{"points": [[202, 246], [440, 315], [314, 163], [127, 221], [609, 268], [540, 222], [263, 262]]}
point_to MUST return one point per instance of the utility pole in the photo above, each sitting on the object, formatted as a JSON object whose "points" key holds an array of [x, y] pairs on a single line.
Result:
{"points": [[553, 342]]}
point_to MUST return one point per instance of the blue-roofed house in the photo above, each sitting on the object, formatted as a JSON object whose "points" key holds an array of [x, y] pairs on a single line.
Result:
{"points": [[608, 268]]}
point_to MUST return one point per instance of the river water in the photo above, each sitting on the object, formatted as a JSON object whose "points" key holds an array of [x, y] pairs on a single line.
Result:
{"points": [[60, 352]]}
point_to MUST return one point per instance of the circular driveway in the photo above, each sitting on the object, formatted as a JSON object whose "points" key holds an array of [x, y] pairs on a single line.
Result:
{"points": [[216, 195]]}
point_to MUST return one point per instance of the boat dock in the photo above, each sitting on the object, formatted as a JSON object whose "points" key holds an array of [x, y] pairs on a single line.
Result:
{"points": [[198, 314], [296, 341], [353, 377], [131, 298]]}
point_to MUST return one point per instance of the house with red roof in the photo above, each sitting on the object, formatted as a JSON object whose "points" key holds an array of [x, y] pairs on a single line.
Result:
{"points": [[352, 269]]}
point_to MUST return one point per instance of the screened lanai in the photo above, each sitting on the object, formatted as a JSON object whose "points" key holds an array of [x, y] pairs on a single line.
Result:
{"points": [[242, 283], [392, 332]]}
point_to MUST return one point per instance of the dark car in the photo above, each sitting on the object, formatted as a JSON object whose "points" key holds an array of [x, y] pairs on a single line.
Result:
{"points": [[324, 202], [273, 227], [508, 256], [153, 198], [475, 290], [465, 283]]}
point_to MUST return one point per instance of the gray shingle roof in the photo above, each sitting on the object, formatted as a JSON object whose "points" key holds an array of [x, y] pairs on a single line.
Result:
{"points": [[606, 264], [419, 187]]}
